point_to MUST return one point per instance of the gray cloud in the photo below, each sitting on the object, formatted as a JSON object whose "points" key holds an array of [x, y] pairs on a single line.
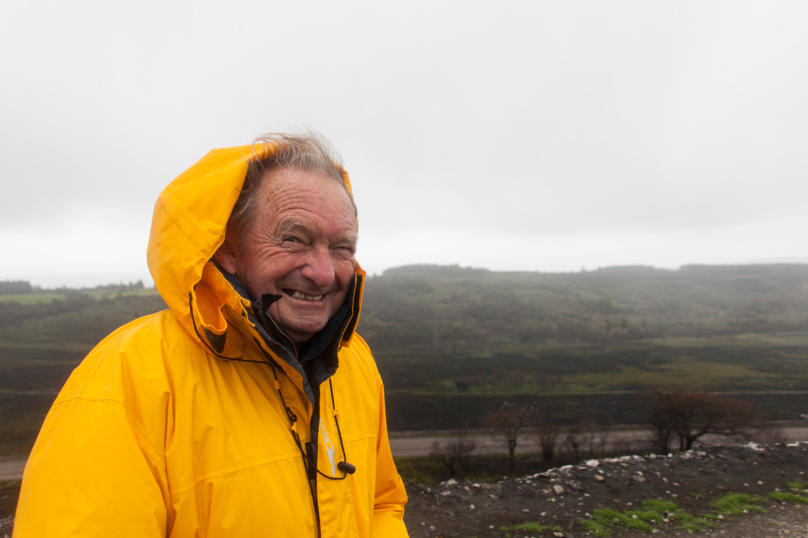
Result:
{"points": [[544, 120]]}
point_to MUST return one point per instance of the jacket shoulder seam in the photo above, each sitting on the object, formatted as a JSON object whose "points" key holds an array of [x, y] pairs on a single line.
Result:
{"points": [[142, 443], [229, 472], [110, 347]]}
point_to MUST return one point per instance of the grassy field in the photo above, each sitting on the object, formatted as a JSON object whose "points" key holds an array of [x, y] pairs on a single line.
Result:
{"points": [[737, 363], [50, 296], [31, 298]]}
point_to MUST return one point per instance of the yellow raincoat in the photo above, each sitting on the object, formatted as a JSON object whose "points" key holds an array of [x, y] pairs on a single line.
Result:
{"points": [[166, 429]]}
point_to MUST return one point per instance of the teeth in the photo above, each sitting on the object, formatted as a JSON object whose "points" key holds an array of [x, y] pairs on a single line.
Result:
{"points": [[298, 295]]}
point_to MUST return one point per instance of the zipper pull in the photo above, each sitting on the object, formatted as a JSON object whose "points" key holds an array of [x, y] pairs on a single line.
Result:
{"points": [[311, 465]]}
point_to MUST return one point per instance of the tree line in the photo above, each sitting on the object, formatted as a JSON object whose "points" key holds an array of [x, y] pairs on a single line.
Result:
{"points": [[429, 308], [15, 287], [678, 419]]}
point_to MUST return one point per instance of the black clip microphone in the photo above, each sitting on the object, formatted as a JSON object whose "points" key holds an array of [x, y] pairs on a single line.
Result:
{"points": [[346, 467]]}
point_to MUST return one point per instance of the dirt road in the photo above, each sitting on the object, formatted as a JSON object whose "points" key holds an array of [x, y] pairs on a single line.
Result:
{"points": [[11, 469], [416, 445]]}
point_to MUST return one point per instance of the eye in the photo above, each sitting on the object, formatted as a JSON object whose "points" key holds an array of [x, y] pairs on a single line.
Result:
{"points": [[291, 239]]}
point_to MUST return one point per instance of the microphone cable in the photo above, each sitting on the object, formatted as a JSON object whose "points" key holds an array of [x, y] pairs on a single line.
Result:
{"points": [[343, 466]]}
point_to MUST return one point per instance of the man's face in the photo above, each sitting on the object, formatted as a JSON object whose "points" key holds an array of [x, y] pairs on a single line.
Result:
{"points": [[301, 246]]}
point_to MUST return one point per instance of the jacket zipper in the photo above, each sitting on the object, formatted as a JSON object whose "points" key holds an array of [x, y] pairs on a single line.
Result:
{"points": [[268, 319]]}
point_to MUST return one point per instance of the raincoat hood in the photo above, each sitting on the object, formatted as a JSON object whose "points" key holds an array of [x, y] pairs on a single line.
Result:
{"points": [[188, 226]]}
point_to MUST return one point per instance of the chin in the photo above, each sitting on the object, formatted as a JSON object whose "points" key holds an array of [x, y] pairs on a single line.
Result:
{"points": [[304, 329]]}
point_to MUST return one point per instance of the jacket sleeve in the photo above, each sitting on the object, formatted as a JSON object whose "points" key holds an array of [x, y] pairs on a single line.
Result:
{"points": [[89, 476], [390, 498]]}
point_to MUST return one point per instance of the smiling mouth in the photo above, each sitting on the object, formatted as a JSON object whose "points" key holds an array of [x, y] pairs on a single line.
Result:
{"points": [[298, 295]]}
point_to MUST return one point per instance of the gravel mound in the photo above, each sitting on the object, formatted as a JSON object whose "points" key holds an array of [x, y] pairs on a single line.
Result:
{"points": [[555, 502]]}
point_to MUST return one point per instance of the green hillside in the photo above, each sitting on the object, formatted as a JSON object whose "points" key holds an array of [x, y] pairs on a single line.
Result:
{"points": [[452, 308], [464, 340]]}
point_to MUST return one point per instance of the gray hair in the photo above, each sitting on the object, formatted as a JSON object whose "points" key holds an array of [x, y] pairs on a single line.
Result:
{"points": [[303, 150]]}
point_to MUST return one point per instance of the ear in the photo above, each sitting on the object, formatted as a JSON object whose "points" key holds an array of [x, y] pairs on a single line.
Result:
{"points": [[226, 256]]}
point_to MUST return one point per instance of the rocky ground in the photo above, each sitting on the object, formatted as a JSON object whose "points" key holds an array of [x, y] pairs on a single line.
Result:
{"points": [[629, 496]]}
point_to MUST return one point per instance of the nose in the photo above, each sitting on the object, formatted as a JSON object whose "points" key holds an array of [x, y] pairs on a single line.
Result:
{"points": [[320, 269]]}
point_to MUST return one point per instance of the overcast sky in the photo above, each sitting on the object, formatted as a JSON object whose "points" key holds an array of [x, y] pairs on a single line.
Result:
{"points": [[541, 136]]}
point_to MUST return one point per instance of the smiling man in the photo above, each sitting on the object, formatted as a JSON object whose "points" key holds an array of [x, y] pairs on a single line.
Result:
{"points": [[302, 249], [250, 407]]}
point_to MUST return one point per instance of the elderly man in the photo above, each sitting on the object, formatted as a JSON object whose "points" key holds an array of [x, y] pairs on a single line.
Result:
{"points": [[251, 407]]}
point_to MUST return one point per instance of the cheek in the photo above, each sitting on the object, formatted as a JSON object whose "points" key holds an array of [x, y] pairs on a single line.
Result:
{"points": [[261, 274], [344, 271]]}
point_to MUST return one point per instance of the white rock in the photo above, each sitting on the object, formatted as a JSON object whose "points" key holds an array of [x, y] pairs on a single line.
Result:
{"points": [[559, 490], [592, 463]]}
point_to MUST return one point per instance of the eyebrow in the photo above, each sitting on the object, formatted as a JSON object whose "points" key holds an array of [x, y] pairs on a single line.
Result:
{"points": [[348, 238], [291, 225]]}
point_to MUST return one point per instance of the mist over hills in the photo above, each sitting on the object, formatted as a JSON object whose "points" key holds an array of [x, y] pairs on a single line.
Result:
{"points": [[449, 307], [431, 307]]}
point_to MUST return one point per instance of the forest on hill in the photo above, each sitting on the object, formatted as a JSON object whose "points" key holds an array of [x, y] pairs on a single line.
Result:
{"points": [[452, 308]]}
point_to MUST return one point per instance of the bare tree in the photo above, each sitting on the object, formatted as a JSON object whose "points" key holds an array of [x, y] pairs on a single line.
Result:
{"points": [[510, 421], [547, 437], [595, 439], [687, 415], [587, 438], [455, 453], [574, 439]]}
